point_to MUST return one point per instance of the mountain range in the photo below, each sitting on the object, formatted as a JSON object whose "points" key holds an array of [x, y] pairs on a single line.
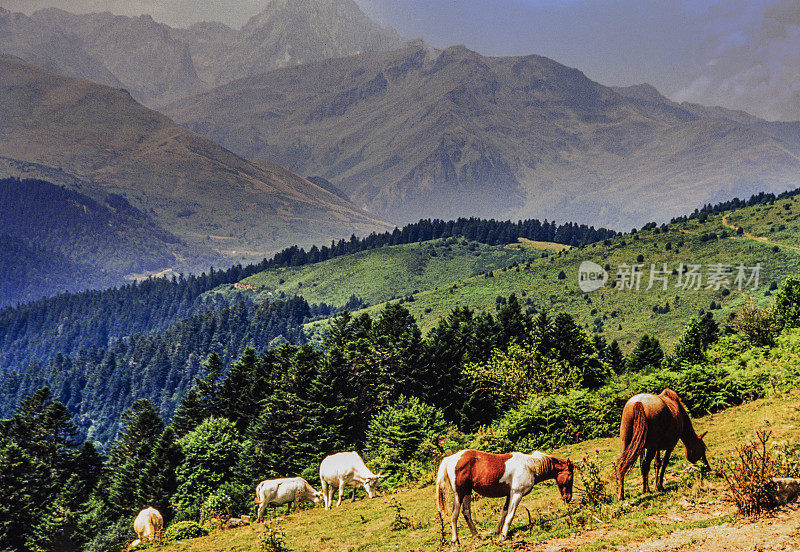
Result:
{"points": [[381, 128], [418, 132], [98, 141], [158, 64]]}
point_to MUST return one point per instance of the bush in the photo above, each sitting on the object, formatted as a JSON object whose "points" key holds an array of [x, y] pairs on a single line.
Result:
{"points": [[787, 303], [403, 440], [112, 537], [594, 491], [749, 476], [182, 530], [216, 505], [758, 325], [555, 420], [273, 540]]}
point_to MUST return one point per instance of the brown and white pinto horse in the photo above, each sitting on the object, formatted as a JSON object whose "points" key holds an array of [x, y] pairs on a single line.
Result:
{"points": [[652, 423], [511, 475]]}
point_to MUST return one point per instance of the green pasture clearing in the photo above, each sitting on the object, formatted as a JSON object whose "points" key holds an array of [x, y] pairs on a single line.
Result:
{"points": [[382, 274]]}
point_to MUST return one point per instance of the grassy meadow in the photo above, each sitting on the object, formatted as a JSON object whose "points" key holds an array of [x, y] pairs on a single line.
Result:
{"points": [[366, 524], [387, 273]]}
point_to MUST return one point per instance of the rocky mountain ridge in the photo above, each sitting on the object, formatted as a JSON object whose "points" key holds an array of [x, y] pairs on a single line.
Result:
{"points": [[418, 132]]}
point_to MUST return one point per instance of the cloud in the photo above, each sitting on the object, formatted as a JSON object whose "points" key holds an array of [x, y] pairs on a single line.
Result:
{"points": [[754, 67]]}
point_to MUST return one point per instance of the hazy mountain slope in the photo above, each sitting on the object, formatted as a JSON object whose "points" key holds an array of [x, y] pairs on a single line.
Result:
{"points": [[286, 33], [648, 95], [59, 240], [151, 65], [50, 48], [158, 64], [188, 185], [415, 133]]}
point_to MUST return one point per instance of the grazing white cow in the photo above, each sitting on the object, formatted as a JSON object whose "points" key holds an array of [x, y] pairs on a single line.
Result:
{"points": [[345, 469], [288, 490], [148, 524]]}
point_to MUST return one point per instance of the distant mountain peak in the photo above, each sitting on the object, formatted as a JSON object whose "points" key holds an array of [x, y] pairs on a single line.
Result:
{"points": [[644, 91]]}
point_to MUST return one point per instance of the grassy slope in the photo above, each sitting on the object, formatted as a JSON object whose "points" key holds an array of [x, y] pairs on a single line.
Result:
{"points": [[538, 283], [382, 274], [365, 525]]}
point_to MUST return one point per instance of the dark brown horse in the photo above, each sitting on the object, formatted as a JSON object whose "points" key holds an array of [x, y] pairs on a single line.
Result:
{"points": [[511, 475], [652, 423]]}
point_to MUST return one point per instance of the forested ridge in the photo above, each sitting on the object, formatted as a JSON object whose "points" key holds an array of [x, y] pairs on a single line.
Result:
{"points": [[55, 239], [156, 332], [72, 322], [97, 384]]}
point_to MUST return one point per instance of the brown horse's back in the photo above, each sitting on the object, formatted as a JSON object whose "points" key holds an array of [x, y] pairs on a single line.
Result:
{"points": [[664, 425]]}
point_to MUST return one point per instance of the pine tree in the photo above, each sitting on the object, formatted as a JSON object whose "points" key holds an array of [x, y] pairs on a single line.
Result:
{"points": [[647, 353], [615, 358]]}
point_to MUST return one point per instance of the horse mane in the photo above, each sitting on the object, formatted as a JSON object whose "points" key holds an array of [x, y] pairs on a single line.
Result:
{"points": [[689, 435], [544, 466]]}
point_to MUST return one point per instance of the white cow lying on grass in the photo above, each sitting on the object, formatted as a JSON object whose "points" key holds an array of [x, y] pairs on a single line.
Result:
{"points": [[288, 490], [148, 525], [345, 469]]}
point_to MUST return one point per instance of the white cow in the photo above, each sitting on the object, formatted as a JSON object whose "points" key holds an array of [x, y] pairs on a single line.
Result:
{"points": [[148, 525], [288, 490], [345, 469]]}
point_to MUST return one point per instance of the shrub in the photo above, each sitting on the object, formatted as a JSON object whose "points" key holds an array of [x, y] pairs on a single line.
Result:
{"points": [[554, 420], [182, 530], [216, 505], [403, 439], [274, 540], [594, 491], [401, 520], [749, 476], [758, 325], [787, 303]]}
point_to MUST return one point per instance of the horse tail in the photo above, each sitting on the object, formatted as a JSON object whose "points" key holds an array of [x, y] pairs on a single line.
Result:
{"points": [[442, 480], [638, 437]]}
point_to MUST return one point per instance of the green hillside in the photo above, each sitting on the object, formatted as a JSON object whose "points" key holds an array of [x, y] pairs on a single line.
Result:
{"points": [[383, 274], [541, 518], [769, 237]]}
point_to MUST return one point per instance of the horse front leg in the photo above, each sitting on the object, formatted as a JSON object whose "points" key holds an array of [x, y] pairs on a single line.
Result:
{"points": [[646, 460], [503, 514], [341, 491], [512, 509], [467, 510], [661, 472]]}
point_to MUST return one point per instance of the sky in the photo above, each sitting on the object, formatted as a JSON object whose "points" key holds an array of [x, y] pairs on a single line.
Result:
{"points": [[735, 53]]}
